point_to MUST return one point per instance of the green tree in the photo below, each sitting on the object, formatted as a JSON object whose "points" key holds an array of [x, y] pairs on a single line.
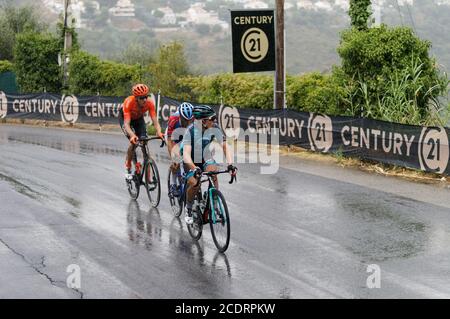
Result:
{"points": [[359, 13], [378, 59], [137, 53], [315, 92], [89, 75], [36, 62], [13, 21], [171, 65], [243, 90]]}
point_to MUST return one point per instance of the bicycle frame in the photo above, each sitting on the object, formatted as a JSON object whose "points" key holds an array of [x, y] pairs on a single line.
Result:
{"points": [[143, 144], [211, 189]]}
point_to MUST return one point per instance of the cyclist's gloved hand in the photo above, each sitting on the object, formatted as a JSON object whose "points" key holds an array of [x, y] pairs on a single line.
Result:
{"points": [[161, 135], [197, 171], [134, 139], [232, 169]]}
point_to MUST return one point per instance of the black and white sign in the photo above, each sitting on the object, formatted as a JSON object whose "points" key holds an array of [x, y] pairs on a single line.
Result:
{"points": [[425, 148], [66, 108], [253, 40]]}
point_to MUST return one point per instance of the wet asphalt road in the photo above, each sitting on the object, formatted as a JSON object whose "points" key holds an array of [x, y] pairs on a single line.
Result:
{"points": [[309, 231]]}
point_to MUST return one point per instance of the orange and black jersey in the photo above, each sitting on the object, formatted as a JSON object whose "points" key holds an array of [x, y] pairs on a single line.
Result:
{"points": [[131, 110]]}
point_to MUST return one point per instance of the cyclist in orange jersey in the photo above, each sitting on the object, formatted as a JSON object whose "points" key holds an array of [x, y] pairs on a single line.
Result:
{"points": [[131, 119]]}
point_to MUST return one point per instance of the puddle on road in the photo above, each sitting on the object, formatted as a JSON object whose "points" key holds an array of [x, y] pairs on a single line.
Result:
{"points": [[145, 228], [55, 198], [21, 188], [378, 230]]}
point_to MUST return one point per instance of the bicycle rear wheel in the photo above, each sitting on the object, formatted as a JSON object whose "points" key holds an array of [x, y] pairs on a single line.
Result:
{"points": [[176, 202], [152, 183], [219, 221]]}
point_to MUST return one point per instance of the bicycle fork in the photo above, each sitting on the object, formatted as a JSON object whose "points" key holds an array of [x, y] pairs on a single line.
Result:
{"points": [[213, 206]]}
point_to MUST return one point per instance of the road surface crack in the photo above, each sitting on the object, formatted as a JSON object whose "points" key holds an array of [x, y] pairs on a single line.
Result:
{"points": [[37, 268]]}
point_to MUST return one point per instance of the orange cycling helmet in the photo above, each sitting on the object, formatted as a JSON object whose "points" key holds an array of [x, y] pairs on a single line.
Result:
{"points": [[140, 90]]}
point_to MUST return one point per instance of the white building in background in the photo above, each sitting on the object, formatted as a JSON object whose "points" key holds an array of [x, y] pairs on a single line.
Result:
{"points": [[169, 16], [255, 4], [123, 8]]}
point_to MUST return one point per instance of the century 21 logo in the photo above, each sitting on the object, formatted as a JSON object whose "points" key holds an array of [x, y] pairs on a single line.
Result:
{"points": [[254, 45], [230, 121], [69, 108], [320, 132], [433, 149], [3, 105]]}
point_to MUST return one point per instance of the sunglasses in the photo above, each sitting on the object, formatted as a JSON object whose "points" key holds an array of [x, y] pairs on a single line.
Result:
{"points": [[142, 97], [213, 118]]}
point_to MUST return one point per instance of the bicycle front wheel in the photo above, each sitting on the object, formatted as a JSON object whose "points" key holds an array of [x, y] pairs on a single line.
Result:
{"points": [[152, 183], [219, 221]]}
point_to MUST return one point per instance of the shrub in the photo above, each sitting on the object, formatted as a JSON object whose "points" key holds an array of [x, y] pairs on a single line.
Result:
{"points": [[89, 75], [315, 92], [5, 66], [379, 57], [243, 90], [36, 62]]}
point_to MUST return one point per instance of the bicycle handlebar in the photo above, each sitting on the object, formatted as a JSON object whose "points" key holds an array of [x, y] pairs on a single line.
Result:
{"points": [[147, 139], [233, 177]]}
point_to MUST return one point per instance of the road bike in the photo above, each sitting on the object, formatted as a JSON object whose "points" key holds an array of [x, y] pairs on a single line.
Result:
{"points": [[146, 173], [211, 208]]}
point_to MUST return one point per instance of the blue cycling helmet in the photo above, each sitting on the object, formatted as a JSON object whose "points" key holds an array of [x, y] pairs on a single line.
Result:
{"points": [[186, 110]]}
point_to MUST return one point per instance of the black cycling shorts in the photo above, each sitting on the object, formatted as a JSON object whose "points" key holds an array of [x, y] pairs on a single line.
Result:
{"points": [[138, 126]]}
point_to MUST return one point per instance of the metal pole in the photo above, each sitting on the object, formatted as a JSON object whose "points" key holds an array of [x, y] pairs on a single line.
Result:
{"points": [[279, 64]]}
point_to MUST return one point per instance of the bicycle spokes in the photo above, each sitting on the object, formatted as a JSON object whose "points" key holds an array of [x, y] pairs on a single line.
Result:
{"points": [[220, 222]]}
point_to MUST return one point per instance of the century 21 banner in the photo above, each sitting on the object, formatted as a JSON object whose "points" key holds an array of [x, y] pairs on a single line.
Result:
{"points": [[424, 148], [253, 38], [65, 108]]}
